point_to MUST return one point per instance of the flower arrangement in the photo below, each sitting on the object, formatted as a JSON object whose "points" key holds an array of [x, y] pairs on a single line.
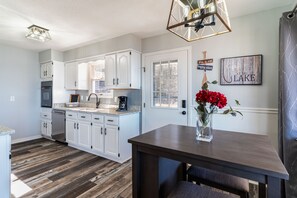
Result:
{"points": [[208, 104]]}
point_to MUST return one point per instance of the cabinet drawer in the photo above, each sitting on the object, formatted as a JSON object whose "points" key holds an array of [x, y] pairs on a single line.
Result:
{"points": [[111, 120], [46, 115], [71, 115], [96, 118], [84, 116]]}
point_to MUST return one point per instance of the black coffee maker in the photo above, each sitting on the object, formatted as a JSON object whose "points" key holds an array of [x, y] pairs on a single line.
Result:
{"points": [[123, 103]]}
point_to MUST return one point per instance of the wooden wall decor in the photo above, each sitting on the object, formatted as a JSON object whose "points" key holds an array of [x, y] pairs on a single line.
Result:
{"points": [[205, 63], [242, 70]]}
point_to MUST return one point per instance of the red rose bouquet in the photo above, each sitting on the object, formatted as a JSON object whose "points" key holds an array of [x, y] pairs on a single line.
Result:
{"points": [[208, 104]]}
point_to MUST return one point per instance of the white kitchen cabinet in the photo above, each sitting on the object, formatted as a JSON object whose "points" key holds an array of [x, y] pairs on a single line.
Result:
{"points": [[84, 134], [46, 122], [122, 70], [76, 76], [46, 70], [97, 137], [71, 131], [111, 141], [5, 170]]}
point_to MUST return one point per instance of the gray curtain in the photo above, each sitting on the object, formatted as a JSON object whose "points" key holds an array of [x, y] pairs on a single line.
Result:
{"points": [[288, 101]]}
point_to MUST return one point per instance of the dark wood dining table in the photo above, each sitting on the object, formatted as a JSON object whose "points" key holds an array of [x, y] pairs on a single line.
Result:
{"points": [[160, 158]]}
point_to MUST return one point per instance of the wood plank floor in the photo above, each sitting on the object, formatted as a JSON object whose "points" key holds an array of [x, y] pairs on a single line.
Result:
{"points": [[43, 168]]}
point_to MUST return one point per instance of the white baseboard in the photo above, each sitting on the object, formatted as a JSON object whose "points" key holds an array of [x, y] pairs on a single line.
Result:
{"points": [[26, 139]]}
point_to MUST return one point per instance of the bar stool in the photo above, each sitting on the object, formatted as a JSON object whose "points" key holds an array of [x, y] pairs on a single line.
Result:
{"points": [[222, 181], [189, 190]]}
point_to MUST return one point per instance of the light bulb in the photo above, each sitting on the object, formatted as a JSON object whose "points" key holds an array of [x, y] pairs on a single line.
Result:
{"points": [[36, 31], [201, 3], [186, 10]]}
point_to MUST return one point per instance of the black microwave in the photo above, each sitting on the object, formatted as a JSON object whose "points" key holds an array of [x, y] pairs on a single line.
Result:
{"points": [[46, 94]]}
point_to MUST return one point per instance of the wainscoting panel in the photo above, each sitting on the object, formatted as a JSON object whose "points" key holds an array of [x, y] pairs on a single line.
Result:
{"points": [[262, 121]]}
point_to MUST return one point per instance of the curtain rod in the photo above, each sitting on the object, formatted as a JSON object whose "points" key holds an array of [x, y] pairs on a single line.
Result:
{"points": [[292, 13]]}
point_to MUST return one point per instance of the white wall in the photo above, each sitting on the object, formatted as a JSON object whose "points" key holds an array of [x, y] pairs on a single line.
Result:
{"points": [[19, 77], [251, 34]]}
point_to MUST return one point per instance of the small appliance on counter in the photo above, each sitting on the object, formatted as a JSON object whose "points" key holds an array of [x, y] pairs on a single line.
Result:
{"points": [[74, 100], [123, 103]]}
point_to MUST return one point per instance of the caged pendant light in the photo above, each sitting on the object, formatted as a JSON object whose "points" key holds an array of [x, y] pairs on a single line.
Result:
{"points": [[197, 19]]}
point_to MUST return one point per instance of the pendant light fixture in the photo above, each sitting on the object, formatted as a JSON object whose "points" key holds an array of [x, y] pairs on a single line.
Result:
{"points": [[38, 33], [197, 19]]}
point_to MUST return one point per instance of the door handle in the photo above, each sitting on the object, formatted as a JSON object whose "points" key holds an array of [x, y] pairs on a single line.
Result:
{"points": [[184, 104], [184, 112]]}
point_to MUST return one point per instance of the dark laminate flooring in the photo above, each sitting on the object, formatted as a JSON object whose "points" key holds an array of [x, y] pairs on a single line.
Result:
{"points": [[42, 168]]}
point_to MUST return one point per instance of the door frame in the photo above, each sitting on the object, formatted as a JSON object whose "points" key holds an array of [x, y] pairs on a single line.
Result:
{"points": [[189, 81]]}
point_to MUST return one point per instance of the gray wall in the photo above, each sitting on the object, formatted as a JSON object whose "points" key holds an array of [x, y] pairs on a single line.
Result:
{"points": [[19, 77], [251, 34], [102, 47], [50, 55]]}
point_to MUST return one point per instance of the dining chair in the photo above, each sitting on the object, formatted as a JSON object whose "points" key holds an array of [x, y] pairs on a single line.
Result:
{"points": [[189, 190], [229, 183]]}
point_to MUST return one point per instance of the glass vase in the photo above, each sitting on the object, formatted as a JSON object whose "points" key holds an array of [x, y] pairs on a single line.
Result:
{"points": [[204, 127]]}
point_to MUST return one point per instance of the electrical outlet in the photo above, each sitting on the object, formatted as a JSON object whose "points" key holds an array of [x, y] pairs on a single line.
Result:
{"points": [[12, 98], [115, 99], [81, 98]]}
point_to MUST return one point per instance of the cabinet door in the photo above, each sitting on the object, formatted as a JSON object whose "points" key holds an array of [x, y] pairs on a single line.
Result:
{"points": [[111, 144], [48, 128], [84, 134], [71, 75], [82, 76], [43, 69], [110, 70], [43, 127], [97, 137], [49, 70], [71, 131], [123, 70]]}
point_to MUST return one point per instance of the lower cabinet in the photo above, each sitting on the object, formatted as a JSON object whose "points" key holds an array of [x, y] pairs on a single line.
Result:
{"points": [[103, 135], [46, 127]]}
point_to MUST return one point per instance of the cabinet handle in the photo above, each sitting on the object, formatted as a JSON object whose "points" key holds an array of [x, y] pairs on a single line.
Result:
{"points": [[83, 116], [110, 120], [105, 131], [117, 81], [75, 83], [101, 131], [74, 125], [96, 118], [77, 126], [46, 73], [69, 115], [113, 81], [45, 125]]}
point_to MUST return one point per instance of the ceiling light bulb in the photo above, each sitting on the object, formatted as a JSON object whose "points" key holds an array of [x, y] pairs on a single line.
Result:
{"points": [[36, 32], [186, 10]]}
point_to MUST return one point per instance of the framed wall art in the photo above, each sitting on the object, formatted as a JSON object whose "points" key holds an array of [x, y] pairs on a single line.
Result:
{"points": [[242, 70]]}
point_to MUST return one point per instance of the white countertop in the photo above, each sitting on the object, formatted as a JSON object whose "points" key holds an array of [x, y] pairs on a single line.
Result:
{"points": [[6, 131], [100, 111]]}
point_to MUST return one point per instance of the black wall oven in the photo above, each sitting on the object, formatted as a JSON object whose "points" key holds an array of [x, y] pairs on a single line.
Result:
{"points": [[46, 94]]}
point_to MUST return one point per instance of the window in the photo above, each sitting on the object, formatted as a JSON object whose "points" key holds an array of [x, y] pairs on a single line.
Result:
{"points": [[165, 84], [97, 76]]}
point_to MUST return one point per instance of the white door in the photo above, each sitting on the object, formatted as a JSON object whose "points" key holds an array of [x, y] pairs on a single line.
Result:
{"points": [[110, 70], [43, 68], [43, 127], [111, 140], [84, 134], [49, 70], [165, 90], [71, 75], [71, 131], [97, 137], [48, 128], [123, 70]]}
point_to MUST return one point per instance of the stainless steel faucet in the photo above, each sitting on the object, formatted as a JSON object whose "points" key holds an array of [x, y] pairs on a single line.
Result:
{"points": [[97, 100]]}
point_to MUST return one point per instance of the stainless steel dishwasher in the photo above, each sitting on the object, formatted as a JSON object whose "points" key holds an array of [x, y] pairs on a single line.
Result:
{"points": [[58, 125]]}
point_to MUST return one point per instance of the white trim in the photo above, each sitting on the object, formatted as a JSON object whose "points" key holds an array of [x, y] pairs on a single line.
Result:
{"points": [[89, 58], [251, 110], [189, 77], [26, 139]]}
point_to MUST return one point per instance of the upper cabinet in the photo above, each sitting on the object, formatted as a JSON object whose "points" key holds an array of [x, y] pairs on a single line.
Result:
{"points": [[122, 70], [46, 70], [76, 76]]}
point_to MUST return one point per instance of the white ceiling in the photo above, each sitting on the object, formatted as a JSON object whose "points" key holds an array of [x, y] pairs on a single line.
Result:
{"points": [[74, 23]]}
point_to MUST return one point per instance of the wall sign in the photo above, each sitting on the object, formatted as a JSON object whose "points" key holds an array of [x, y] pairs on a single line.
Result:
{"points": [[205, 63], [242, 70]]}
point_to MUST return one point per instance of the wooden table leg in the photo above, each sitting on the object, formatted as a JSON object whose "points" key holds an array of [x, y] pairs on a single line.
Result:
{"points": [[135, 172], [262, 190], [273, 187]]}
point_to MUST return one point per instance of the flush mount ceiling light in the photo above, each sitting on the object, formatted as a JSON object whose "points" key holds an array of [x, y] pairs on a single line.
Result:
{"points": [[197, 19], [38, 33]]}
